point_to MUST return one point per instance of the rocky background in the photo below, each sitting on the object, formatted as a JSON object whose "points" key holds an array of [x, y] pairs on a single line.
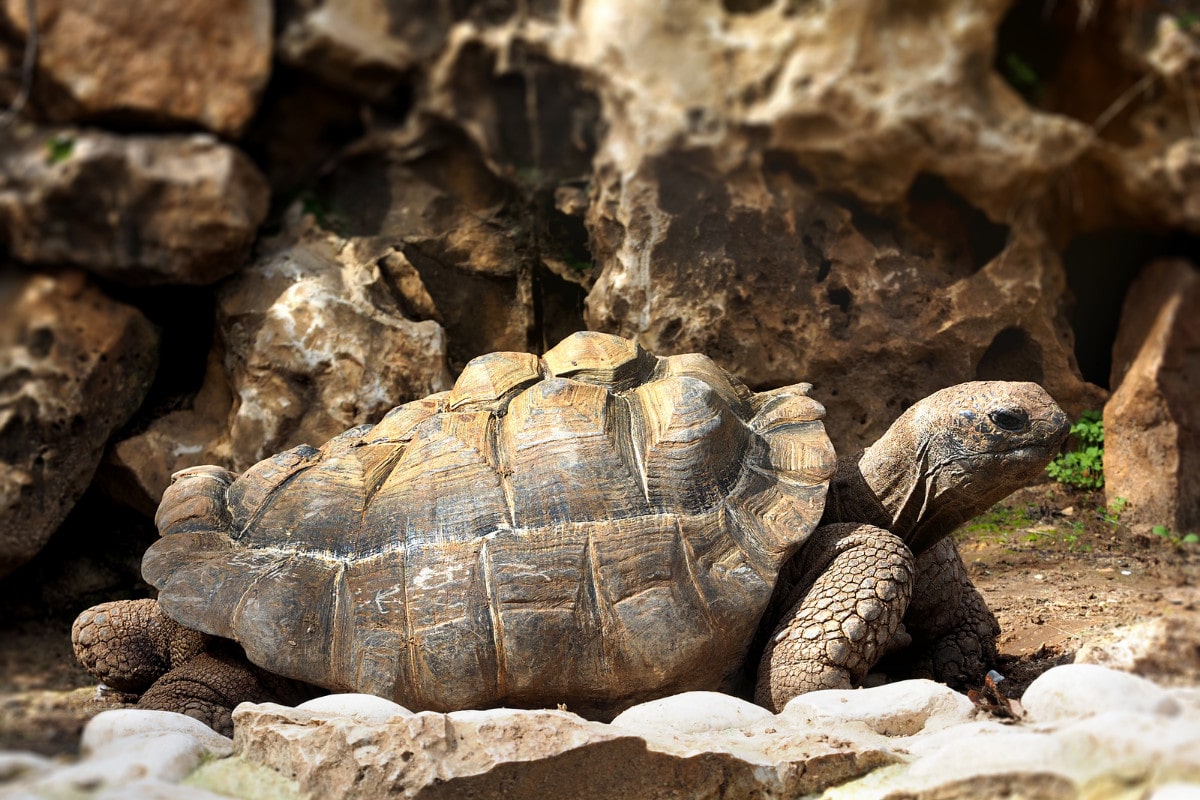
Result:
{"points": [[230, 227]]}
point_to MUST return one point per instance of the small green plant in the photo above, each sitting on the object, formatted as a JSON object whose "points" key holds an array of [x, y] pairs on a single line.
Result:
{"points": [[59, 148], [1174, 538], [1082, 467], [1112, 512]]}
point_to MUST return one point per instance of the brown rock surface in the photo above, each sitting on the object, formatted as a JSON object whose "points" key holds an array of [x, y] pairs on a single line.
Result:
{"points": [[184, 61], [313, 341], [509, 753], [1152, 422], [74, 365], [134, 209], [425, 206]]}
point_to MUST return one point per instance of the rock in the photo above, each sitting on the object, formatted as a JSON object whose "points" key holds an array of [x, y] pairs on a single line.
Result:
{"points": [[366, 47], [442, 228], [131, 753], [1152, 421], [116, 62], [74, 365], [120, 728], [1076, 691], [904, 708], [133, 209], [1162, 649], [1127, 75], [780, 283], [691, 713], [506, 752], [358, 707], [314, 341]]}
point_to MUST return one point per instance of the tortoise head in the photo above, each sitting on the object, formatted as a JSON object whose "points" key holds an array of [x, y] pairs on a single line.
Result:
{"points": [[957, 452]]}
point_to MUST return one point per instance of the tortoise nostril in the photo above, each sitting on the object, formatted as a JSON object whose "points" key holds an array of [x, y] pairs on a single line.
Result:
{"points": [[1012, 420]]}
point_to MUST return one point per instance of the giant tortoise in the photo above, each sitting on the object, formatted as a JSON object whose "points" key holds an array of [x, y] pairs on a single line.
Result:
{"points": [[591, 528]]}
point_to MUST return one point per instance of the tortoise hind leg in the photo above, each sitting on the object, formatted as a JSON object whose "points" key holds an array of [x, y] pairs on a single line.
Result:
{"points": [[954, 632], [854, 584], [132, 646], [128, 644], [210, 685]]}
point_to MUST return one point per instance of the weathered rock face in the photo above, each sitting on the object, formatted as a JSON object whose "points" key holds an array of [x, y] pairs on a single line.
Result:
{"points": [[1086, 731], [442, 228], [193, 62], [134, 209], [781, 283], [1152, 422], [313, 341], [74, 365]]}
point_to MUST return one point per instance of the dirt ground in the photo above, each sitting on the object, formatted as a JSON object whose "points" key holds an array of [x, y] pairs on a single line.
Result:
{"points": [[1055, 565]]}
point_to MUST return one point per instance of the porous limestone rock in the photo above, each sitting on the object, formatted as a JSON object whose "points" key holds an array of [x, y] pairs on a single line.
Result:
{"points": [[134, 209], [1076, 691], [1163, 649], [127, 753], [314, 341], [849, 747], [443, 229], [74, 365], [184, 61], [365, 46], [1152, 421], [507, 752]]}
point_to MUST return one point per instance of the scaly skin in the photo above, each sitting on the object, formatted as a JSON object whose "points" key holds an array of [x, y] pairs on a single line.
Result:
{"points": [[954, 632], [129, 644], [132, 646], [948, 458], [859, 578]]}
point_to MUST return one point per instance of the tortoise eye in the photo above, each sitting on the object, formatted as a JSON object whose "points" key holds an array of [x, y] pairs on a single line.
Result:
{"points": [[1012, 420]]}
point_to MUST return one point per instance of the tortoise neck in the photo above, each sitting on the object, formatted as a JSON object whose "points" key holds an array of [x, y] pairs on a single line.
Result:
{"points": [[891, 485]]}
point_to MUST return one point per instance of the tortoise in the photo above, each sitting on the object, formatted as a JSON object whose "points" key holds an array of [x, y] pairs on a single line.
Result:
{"points": [[591, 528]]}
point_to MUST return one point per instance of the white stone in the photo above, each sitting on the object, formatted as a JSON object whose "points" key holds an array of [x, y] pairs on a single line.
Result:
{"points": [[115, 729], [690, 713], [356, 706], [132, 753], [17, 765], [1075, 691], [1176, 791], [895, 709]]}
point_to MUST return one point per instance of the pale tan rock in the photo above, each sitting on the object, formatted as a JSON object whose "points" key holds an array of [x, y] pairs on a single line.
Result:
{"points": [[74, 366], [442, 228], [1161, 649], [1152, 422], [511, 753], [133, 209], [312, 342], [778, 283], [189, 61], [1077, 691], [366, 46], [904, 708]]}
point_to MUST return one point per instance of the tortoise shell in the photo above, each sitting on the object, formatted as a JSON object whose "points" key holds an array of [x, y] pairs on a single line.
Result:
{"points": [[593, 527]]}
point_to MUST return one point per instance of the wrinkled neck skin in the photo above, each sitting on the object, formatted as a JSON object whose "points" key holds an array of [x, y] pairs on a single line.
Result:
{"points": [[949, 458]]}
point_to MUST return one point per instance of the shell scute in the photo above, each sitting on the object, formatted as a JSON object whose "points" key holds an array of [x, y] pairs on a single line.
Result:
{"points": [[565, 455]]}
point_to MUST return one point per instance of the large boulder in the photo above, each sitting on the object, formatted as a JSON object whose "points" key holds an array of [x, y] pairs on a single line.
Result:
{"points": [[133, 209], [74, 366], [186, 62], [313, 339], [1152, 422]]}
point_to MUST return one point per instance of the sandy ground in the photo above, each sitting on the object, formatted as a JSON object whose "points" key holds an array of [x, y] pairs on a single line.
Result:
{"points": [[1055, 571]]}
